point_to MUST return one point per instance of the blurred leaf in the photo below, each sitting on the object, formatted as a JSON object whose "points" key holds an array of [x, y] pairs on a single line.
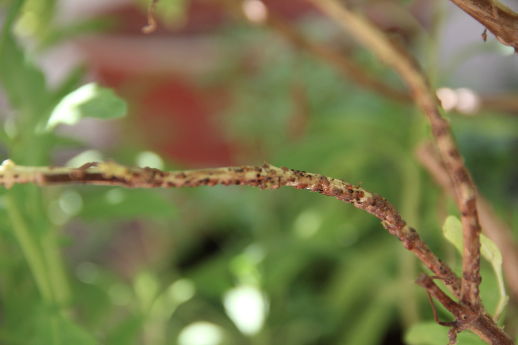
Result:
{"points": [[126, 332], [23, 83], [89, 100], [71, 83], [16, 5], [430, 333], [371, 322], [32, 323], [59, 330], [88, 26], [36, 18], [120, 203], [452, 230]]}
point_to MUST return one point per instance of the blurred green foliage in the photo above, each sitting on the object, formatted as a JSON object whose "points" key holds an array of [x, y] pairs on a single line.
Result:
{"points": [[319, 271]]}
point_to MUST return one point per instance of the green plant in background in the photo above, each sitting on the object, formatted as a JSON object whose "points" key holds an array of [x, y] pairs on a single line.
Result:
{"points": [[311, 269]]}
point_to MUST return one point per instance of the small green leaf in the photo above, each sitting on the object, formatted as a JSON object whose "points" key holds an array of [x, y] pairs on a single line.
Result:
{"points": [[453, 232], [89, 100]]}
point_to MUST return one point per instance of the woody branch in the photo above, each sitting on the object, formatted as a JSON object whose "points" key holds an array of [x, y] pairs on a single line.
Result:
{"points": [[265, 176], [396, 56], [492, 226]]}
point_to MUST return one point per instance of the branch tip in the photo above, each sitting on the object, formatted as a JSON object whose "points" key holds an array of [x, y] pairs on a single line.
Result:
{"points": [[151, 19]]}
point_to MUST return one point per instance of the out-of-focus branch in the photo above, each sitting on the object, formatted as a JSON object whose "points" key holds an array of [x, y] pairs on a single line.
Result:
{"points": [[494, 228], [340, 61], [495, 16], [264, 176], [501, 103]]}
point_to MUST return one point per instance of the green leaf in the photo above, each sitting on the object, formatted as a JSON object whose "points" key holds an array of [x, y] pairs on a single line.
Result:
{"points": [[89, 100], [59, 330], [126, 331], [60, 34], [120, 203], [453, 232], [29, 322], [371, 323], [430, 333], [23, 83], [8, 22]]}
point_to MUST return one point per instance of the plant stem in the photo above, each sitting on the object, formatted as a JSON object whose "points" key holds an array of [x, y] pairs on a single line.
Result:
{"points": [[30, 249]]}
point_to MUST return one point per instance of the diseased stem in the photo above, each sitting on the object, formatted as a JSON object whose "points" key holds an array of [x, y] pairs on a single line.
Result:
{"points": [[267, 176], [264, 176], [396, 56], [492, 226], [465, 318]]}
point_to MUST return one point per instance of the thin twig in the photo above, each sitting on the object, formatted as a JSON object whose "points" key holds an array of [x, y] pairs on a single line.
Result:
{"points": [[264, 176]]}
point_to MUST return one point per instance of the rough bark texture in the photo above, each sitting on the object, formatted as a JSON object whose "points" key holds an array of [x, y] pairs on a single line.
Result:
{"points": [[265, 176]]}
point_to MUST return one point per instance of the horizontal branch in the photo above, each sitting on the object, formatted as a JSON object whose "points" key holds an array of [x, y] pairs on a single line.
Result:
{"points": [[265, 176]]}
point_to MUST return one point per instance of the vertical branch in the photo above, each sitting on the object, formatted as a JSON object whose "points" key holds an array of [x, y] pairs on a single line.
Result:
{"points": [[492, 226], [396, 57]]}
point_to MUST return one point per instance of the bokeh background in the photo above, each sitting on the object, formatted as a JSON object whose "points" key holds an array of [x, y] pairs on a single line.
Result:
{"points": [[214, 86]]}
